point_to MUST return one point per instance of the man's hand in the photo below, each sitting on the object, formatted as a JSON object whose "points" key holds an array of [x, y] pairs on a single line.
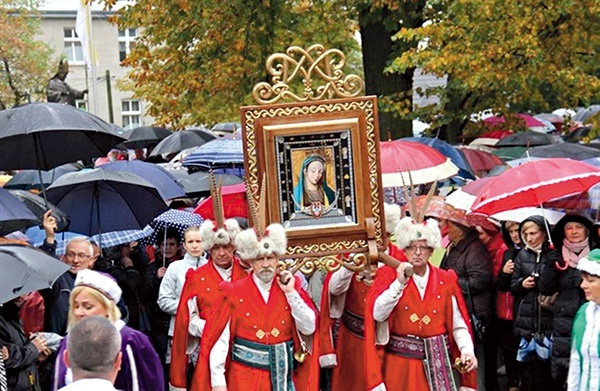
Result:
{"points": [[288, 287], [469, 361], [50, 226], [509, 267], [4, 353], [400, 272]]}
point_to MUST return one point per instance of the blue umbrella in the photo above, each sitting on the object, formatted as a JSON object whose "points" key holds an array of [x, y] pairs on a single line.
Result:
{"points": [[14, 215], [37, 236], [165, 183], [104, 201], [30, 179], [115, 238], [450, 151], [223, 152]]}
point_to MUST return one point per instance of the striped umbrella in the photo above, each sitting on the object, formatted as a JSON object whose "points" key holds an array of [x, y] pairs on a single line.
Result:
{"points": [[223, 152]]}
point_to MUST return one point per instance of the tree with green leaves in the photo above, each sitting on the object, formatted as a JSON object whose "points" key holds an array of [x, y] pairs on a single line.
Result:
{"points": [[508, 56], [25, 61]]}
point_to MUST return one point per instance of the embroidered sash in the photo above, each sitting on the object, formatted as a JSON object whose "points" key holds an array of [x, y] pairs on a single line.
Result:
{"points": [[435, 354], [354, 323], [278, 359]]}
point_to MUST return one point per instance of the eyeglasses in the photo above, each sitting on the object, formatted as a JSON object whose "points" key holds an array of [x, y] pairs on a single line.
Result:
{"points": [[414, 249], [71, 255]]}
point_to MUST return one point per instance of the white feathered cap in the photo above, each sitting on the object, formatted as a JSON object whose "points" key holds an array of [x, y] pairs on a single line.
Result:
{"points": [[392, 216], [211, 235], [407, 231], [249, 246]]}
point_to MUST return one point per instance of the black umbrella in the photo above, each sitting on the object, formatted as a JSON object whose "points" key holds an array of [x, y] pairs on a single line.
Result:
{"points": [[14, 216], [145, 136], [586, 113], [45, 135], [30, 179], [38, 207], [100, 201], [225, 128], [181, 140], [524, 139], [568, 150], [25, 269], [197, 184]]}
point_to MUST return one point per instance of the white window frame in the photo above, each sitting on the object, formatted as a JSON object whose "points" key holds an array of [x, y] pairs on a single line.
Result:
{"points": [[73, 41], [131, 114], [82, 104], [128, 40]]}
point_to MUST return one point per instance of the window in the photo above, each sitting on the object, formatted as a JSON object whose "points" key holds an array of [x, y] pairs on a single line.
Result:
{"points": [[131, 112], [82, 104], [126, 42], [73, 49]]}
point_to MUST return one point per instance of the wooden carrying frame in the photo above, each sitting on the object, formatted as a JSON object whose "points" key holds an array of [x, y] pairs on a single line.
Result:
{"points": [[281, 139]]}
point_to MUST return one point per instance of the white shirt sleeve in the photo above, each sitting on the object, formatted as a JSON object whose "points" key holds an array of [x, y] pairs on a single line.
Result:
{"points": [[573, 378], [218, 356], [461, 334], [168, 298], [386, 302], [340, 281], [303, 315], [196, 325]]}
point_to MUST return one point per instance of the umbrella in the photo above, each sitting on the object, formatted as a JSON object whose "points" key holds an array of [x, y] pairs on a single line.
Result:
{"points": [[524, 120], [490, 138], [480, 160], [197, 184], [165, 183], [220, 153], [400, 159], [178, 141], [115, 238], [30, 179], [450, 151], [522, 160], [145, 136], [509, 153], [577, 135], [37, 235], [38, 206], [46, 135], [103, 200], [225, 128], [566, 150], [14, 216], [520, 214], [437, 207], [464, 197], [234, 203], [534, 183], [172, 218], [26, 269], [584, 114], [526, 139]]}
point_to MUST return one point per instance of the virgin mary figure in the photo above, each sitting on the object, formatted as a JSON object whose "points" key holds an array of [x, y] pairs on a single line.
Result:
{"points": [[312, 192]]}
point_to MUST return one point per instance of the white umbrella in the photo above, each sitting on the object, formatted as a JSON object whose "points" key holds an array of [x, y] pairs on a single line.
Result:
{"points": [[521, 214]]}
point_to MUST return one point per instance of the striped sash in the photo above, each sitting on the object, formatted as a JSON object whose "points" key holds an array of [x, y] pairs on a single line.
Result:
{"points": [[278, 359], [3, 382], [354, 323]]}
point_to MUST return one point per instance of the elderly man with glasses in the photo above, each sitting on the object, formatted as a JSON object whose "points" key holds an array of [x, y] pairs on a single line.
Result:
{"points": [[78, 255]]}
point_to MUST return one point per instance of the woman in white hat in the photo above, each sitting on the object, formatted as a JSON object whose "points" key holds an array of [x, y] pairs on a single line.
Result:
{"points": [[97, 293], [585, 339]]}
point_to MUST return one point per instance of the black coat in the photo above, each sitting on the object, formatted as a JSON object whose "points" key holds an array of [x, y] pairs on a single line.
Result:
{"points": [[22, 355], [472, 263], [570, 297]]}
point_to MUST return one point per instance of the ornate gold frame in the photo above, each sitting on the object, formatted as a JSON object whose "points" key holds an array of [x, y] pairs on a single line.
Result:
{"points": [[318, 247]]}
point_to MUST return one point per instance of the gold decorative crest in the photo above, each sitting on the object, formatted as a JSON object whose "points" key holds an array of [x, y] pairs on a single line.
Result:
{"points": [[303, 75]]}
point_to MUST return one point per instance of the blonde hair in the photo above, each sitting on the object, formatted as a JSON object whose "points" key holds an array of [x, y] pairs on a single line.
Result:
{"points": [[112, 311], [191, 228]]}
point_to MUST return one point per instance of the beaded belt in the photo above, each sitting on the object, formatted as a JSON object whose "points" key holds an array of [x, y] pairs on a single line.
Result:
{"points": [[354, 323]]}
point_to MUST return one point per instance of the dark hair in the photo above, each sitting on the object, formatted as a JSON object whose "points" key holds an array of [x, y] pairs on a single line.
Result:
{"points": [[171, 233]]}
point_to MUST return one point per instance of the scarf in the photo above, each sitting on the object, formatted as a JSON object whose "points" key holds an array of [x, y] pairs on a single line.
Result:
{"points": [[573, 252], [537, 249]]}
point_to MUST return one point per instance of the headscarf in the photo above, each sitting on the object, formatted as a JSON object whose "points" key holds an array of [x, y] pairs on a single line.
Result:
{"points": [[329, 194]]}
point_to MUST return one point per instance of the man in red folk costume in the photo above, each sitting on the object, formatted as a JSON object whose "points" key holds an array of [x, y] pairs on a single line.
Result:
{"points": [[201, 290], [263, 324], [343, 299], [416, 320]]}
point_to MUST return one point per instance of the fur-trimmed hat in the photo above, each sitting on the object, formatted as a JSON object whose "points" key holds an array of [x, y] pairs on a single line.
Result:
{"points": [[101, 282], [408, 230], [250, 246], [591, 263], [392, 216], [211, 234]]}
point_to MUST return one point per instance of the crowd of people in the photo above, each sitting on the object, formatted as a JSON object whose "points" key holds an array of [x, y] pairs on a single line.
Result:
{"points": [[213, 310]]}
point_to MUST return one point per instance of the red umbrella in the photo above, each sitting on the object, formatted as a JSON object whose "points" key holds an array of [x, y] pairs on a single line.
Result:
{"points": [[481, 160], [525, 119], [534, 183], [234, 203], [425, 164]]}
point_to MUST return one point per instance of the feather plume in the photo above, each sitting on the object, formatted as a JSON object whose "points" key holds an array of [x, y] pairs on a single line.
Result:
{"points": [[430, 194], [253, 209], [217, 200]]}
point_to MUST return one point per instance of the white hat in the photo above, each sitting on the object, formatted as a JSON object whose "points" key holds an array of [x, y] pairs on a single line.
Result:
{"points": [[392, 216], [408, 230], [250, 246], [591, 263], [101, 282], [212, 235]]}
